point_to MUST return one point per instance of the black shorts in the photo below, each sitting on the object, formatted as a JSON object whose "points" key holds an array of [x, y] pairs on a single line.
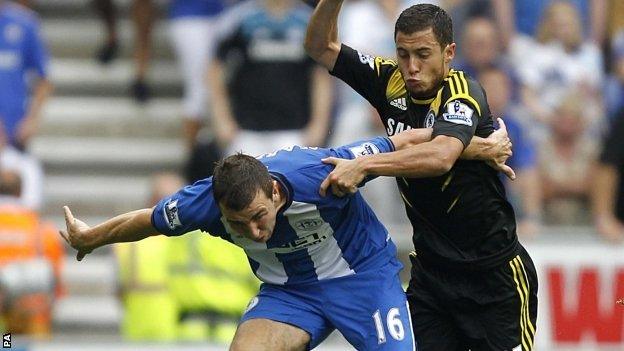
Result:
{"points": [[494, 309]]}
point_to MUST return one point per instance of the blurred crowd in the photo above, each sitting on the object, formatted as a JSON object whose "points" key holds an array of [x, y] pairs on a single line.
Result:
{"points": [[552, 69]]}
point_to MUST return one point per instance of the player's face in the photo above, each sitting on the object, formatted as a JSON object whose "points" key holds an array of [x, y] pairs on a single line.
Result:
{"points": [[423, 62], [257, 221]]}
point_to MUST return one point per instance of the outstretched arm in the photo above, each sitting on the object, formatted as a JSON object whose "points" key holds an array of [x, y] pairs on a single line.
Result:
{"points": [[321, 40], [417, 156], [494, 150], [131, 226]]}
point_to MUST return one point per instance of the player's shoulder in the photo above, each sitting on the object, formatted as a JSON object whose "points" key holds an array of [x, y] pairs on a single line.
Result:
{"points": [[460, 86], [293, 158], [388, 72]]}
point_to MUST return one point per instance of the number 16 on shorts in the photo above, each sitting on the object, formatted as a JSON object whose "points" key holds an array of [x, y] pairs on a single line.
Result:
{"points": [[391, 324]]}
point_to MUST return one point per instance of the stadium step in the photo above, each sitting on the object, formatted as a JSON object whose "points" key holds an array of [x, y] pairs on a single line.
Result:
{"points": [[87, 41], [99, 147], [85, 77], [111, 117], [95, 275], [54, 9], [87, 313], [107, 152], [114, 194]]}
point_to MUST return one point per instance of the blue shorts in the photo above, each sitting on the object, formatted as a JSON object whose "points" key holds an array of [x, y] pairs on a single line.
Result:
{"points": [[369, 309]]}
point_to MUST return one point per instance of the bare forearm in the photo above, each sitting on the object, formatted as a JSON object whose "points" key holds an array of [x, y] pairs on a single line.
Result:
{"points": [[598, 12], [42, 91], [603, 194], [221, 111], [411, 138], [127, 227], [425, 160], [322, 99], [505, 19], [479, 149], [529, 190], [322, 32]]}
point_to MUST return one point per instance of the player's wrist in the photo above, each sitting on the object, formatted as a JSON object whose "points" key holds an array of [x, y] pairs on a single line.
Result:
{"points": [[364, 165]]}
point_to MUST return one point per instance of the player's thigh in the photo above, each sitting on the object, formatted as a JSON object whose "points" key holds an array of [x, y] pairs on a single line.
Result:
{"points": [[293, 307], [268, 335], [432, 321], [371, 312], [433, 329], [510, 324]]}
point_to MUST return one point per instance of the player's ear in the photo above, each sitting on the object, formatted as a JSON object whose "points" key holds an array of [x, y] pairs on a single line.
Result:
{"points": [[275, 191], [449, 53]]}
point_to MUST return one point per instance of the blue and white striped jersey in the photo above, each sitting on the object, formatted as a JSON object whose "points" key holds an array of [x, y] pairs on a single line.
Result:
{"points": [[315, 237]]}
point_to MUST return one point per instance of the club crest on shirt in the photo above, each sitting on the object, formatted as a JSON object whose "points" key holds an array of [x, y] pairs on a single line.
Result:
{"points": [[430, 119], [458, 113], [172, 214]]}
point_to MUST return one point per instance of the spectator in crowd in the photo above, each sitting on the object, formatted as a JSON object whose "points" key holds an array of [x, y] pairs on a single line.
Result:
{"points": [[560, 59], [522, 17], [360, 23], [275, 95], [565, 160], [608, 185], [614, 90], [150, 310], [143, 14], [615, 18], [481, 47], [193, 28], [29, 170], [22, 95], [201, 269], [525, 191], [31, 259]]}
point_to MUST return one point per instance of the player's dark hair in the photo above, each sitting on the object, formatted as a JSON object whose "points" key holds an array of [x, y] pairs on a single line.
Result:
{"points": [[422, 16], [237, 179]]}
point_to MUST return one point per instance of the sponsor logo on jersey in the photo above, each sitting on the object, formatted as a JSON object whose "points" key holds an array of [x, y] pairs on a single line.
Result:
{"points": [[400, 103], [364, 149], [301, 243], [395, 127], [430, 119], [309, 223], [458, 113], [171, 214], [367, 60]]}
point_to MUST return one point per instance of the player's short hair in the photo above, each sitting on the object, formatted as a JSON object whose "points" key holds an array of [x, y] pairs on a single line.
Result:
{"points": [[422, 16], [237, 180]]}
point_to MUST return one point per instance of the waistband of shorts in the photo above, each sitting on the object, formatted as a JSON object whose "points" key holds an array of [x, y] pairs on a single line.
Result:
{"points": [[476, 265]]}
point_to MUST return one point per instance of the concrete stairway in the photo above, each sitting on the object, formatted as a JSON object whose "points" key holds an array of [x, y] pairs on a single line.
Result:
{"points": [[99, 147]]}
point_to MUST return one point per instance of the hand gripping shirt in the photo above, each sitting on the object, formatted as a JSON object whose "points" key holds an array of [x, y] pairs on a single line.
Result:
{"points": [[315, 238], [461, 218]]}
